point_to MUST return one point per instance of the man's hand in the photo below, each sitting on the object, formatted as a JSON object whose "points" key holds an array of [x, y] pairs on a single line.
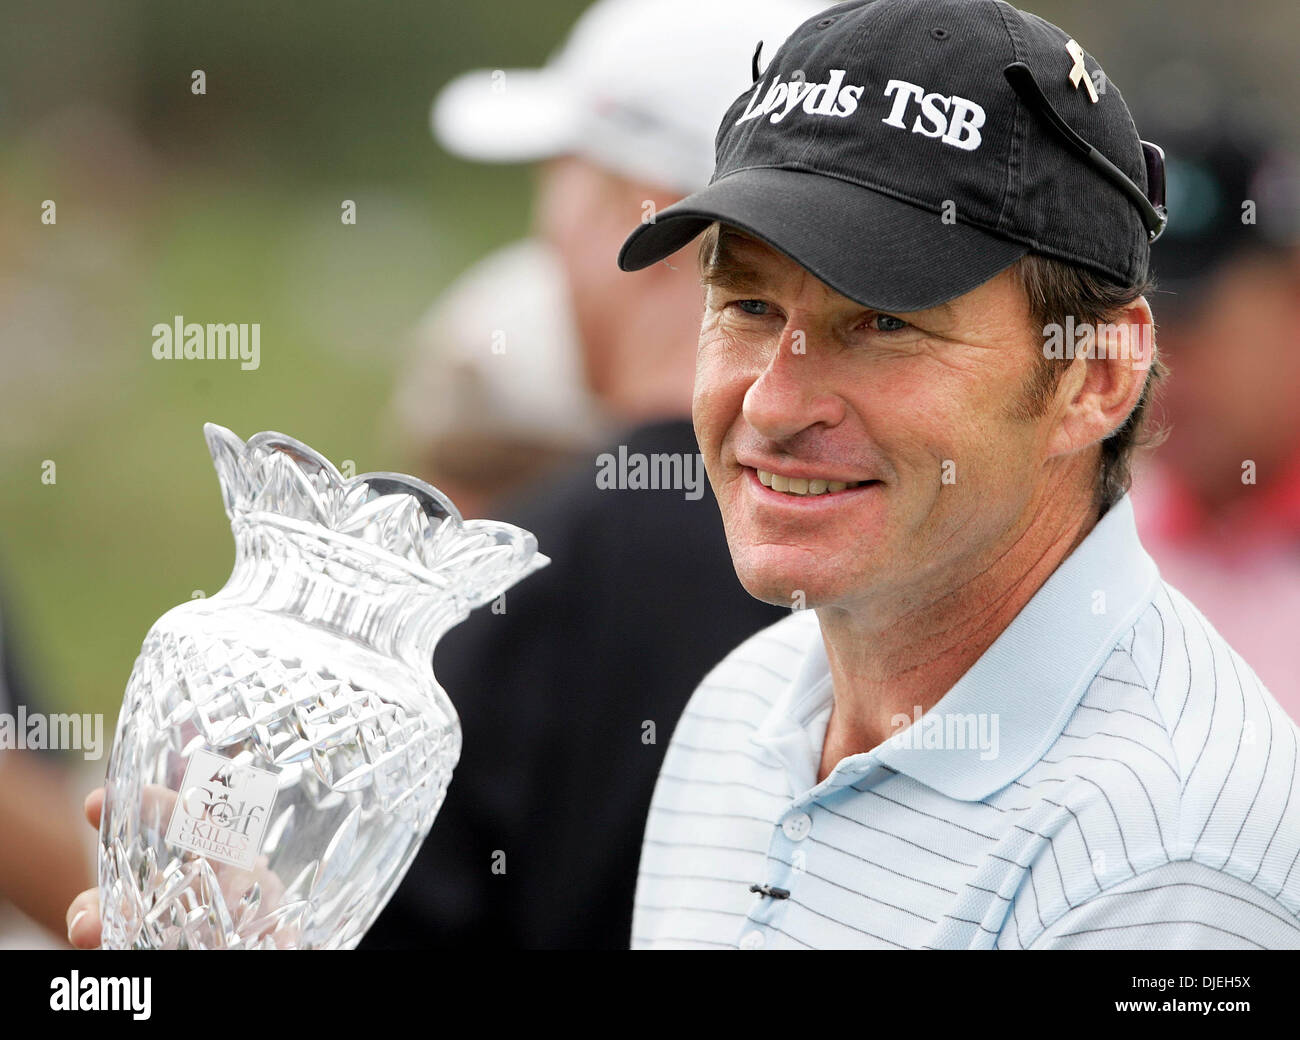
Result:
{"points": [[85, 927], [83, 912]]}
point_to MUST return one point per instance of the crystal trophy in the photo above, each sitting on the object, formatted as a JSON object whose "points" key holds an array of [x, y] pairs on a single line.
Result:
{"points": [[283, 746]]}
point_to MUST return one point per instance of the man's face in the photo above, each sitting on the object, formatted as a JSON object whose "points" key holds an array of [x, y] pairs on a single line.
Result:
{"points": [[919, 409]]}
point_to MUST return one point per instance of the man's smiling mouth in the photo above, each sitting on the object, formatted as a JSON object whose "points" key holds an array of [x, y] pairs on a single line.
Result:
{"points": [[807, 486]]}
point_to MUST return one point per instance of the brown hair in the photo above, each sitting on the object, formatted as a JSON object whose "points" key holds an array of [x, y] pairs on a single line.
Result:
{"points": [[1055, 291]]}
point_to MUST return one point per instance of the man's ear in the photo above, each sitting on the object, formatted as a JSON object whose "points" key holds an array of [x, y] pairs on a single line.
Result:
{"points": [[1105, 383]]}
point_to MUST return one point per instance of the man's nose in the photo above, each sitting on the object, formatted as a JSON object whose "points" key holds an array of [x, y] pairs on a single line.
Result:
{"points": [[791, 394]]}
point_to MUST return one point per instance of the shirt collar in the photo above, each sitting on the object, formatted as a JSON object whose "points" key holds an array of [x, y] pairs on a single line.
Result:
{"points": [[1021, 691]]}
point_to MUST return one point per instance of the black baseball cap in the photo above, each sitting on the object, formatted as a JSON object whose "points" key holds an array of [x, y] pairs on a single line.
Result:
{"points": [[906, 151]]}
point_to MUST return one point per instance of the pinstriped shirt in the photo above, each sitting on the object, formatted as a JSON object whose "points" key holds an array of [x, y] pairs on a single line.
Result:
{"points": [[1109, 774]]}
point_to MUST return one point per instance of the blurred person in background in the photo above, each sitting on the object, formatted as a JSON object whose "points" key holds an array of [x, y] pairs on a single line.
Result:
{"points": [[43, 858], [1218, 505], [481, 411], [540, 352], [567, 699]]}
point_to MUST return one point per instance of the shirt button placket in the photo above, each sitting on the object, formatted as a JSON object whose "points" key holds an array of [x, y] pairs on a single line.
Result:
{"points": [[794, 827], [797, 826]]}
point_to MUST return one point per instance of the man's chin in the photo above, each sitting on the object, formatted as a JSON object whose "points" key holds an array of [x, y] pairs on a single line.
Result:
{"points": [[791, 587]]}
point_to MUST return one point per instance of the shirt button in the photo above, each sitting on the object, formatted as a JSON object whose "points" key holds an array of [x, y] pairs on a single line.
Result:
{"points": [[796, 827], [752, 941]]}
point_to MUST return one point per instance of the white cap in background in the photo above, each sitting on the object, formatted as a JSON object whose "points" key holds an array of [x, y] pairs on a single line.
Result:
{"points": [[639, 86]]}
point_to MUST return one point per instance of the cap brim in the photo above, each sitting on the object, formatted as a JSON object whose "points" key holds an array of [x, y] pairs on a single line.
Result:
{"points": [[872, 248], [506, 115]]}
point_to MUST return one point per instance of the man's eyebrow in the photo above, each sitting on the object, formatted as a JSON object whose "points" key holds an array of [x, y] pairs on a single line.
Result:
{"points": [[722, 269], [730, 277], [943, 310]]}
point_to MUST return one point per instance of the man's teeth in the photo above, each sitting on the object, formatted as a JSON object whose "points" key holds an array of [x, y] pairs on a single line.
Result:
{"points": [[802, 485]]}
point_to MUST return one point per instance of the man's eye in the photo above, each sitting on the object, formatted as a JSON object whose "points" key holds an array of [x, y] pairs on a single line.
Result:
{"points": [[752, 306], [887, 323]]}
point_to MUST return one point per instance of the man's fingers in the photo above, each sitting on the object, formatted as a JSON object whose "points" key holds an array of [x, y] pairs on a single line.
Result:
{"points": [[94, 806], [83, 920], [156, 804]]}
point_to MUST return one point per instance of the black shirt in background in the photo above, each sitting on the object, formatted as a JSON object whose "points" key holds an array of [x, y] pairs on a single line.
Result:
{"points": [[639, 602]]}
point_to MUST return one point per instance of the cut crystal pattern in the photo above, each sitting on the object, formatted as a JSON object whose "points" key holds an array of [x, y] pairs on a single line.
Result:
{"points": [[313, 664]]}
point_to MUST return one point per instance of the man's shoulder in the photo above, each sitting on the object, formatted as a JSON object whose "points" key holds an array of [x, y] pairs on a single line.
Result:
{"points": [[1178, 753], [1238, 752], [1219, 717], [1194, 699]]}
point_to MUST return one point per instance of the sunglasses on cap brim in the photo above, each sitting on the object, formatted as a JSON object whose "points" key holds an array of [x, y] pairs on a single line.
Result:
{"points": [[1150, 204]]}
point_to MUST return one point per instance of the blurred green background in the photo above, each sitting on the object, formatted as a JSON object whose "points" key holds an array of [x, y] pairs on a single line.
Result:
{"points": [[225, 208]]}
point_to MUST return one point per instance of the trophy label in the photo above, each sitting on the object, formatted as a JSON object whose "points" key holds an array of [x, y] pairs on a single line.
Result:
{"points": [[222, 809]]}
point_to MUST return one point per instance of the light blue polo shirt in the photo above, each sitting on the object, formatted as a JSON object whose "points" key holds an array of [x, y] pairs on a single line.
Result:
{"points": [[1108, 774]]}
